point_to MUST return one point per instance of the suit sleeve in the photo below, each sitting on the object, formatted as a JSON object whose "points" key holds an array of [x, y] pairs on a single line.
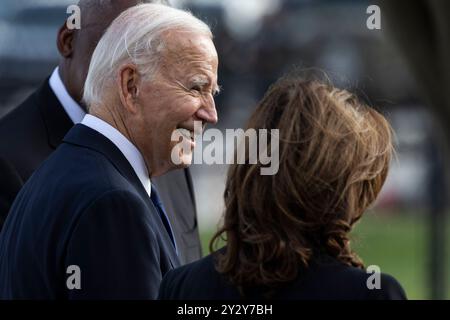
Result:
{"points": [[115, 249]]}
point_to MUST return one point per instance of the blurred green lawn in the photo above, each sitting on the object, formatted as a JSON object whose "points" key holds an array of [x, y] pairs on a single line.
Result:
{"points": [[397, 243]]}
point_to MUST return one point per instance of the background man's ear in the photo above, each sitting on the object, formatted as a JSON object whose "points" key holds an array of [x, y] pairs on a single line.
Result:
{"points": [[129, 86], [64, 41]]}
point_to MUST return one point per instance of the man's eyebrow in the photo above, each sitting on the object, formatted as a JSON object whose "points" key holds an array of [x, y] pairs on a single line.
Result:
{"points": [[217, 89], [201, 80]]}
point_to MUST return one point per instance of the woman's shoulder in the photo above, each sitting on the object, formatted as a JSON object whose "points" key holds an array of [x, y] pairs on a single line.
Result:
{"points": [[193, 269], [196, 280], [325, 279], [329, 278]]}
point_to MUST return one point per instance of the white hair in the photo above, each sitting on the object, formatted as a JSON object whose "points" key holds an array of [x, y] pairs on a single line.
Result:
{"points": [[135, 36]]}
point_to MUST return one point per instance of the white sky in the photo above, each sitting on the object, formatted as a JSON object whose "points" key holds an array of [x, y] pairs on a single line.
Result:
{"points": [[241, 16]]}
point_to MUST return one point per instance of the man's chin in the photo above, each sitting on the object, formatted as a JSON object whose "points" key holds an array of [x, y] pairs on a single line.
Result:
{"points": [[186, 161], [181, 156], [169, 168]]}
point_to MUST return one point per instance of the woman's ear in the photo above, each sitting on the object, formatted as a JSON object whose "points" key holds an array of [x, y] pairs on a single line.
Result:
{"points": [[128, 82]]}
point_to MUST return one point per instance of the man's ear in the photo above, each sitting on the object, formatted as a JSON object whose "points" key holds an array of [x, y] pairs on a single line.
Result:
{"points": [[64, 41], [128, 82]]}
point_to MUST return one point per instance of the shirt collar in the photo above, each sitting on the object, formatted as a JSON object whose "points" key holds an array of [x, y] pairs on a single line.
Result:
{"points": [[130, 152], [72, 108]]}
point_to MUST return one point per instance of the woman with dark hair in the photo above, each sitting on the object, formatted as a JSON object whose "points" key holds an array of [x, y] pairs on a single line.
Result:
{"points": [[287, 235]]}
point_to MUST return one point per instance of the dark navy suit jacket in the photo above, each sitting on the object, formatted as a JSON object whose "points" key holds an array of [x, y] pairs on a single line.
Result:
{"points": [[30, 133], [85, 206]]}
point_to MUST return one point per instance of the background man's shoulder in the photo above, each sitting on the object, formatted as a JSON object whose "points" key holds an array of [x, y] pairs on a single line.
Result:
{"points": [[22, 120]]}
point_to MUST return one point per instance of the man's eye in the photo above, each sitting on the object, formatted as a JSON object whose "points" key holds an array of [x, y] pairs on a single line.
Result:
{"points": [[196, 88]]}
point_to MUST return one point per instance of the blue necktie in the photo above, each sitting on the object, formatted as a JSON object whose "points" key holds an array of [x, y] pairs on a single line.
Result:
{"points": [[154, 196]]}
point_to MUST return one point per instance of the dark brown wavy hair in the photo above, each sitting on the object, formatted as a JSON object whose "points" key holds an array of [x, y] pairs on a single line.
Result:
{"points": [[334, 156]]}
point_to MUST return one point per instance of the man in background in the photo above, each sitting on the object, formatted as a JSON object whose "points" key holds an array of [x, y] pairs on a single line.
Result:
{"points": [[37, 127]]}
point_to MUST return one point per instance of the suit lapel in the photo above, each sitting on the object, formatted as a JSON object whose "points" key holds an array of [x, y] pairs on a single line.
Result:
{"points": [[84, 136], [56, 120]]}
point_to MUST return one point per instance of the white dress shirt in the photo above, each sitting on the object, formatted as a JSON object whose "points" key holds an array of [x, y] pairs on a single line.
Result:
{"points": [[72, 108], [128, 149]]}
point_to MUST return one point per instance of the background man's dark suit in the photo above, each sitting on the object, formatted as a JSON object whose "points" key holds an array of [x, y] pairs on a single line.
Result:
{"points": [[84, 206], [30, 133], [10, 186]]}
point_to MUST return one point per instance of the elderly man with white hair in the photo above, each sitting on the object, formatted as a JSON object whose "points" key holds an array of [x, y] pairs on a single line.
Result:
{"points": [[89, 223]]}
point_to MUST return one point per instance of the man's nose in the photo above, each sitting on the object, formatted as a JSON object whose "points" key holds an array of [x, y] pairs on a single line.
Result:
{"points": [[208, 113]]}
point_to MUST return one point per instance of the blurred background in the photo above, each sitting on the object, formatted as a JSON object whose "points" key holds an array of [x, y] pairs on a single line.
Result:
{"points": [[258, 41]]}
